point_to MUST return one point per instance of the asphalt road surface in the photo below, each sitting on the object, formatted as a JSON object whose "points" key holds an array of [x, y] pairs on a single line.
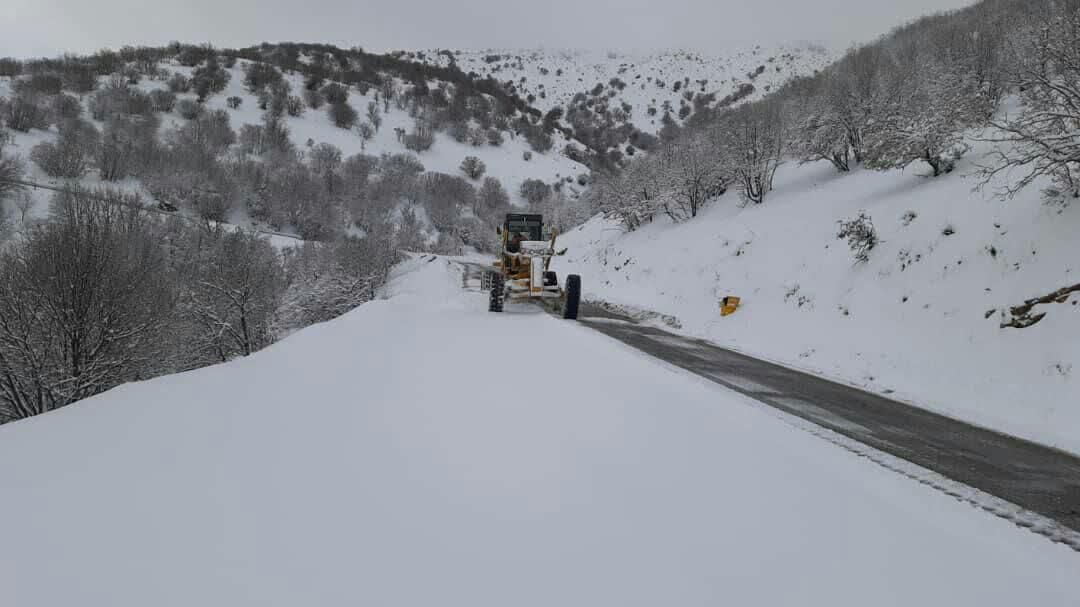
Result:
{"points": [[1039, 479], [1036, 478]]}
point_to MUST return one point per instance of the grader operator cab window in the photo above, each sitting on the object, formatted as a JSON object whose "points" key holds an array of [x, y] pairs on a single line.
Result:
{"points": [[520, 227]]}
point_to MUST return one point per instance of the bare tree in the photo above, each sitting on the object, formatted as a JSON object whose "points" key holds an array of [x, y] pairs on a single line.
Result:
{"points": [[693, 174], [1040, 140], [11, 171], [234, 297], [373, 115], [751, 139], [366, 131], [81, 303], [71, 155]]}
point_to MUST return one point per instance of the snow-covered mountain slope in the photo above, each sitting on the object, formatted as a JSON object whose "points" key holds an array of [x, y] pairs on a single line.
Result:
{"points": [[551, 78], [919, 321], [421, 451], [506, 162]]}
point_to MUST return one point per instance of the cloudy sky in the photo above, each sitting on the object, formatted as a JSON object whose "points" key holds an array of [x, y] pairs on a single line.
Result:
{"points": [[50, 27]]}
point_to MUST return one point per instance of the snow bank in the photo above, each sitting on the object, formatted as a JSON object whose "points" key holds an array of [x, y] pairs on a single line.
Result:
{"points": [[421, 451], [919, 321]]}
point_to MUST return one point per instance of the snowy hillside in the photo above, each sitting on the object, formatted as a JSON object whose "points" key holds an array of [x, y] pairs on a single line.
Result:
{"points": [[506, 162], [647, 83], [391, 457], [919, 321]]}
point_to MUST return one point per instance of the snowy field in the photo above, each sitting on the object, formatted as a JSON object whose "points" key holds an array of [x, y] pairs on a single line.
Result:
{"points": [[420, 451], [919, 322]]}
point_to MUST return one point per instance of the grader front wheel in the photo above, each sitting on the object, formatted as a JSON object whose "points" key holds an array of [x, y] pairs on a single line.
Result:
{"points": [[498, 293], [573, 297]]}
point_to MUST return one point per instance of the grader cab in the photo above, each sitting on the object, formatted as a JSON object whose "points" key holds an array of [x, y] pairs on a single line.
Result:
{"points": [[522, 272]]}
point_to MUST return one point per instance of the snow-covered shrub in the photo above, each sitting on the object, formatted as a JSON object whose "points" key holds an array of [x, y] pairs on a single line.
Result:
{"points": [[209, 79], [334, 93], [65, 107], [313, 98], [374, 116], [420, 139], [127, 143], [294, 106], [70, 156], [259, 75], [860, 235], [343, 115], [23, 112], [162, 100], [179, 83], [534, 190], [473, 167], [44, 83], [539, 139], [188, 109], [366, 132]]}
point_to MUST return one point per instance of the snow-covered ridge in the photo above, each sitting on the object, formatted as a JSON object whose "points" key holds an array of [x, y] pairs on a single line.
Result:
{"points": [[550, 78], [512, 162]]}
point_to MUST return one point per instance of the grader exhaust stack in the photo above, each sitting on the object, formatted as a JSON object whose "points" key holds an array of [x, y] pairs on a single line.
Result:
{"points": [[523, 272]]}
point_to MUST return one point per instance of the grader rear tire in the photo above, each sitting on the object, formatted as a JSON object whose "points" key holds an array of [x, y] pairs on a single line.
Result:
{"points": [[573, 297]]}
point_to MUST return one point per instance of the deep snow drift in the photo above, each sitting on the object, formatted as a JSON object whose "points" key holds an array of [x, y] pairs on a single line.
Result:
{"points": [[420, 451], [919, 321]]}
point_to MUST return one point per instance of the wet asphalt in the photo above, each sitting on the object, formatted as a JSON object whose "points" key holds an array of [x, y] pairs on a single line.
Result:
{"points": [[1040, 479], [1037, 478]]}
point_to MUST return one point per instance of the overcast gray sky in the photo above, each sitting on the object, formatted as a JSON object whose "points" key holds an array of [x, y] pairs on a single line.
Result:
{"points": [[50, 27]]}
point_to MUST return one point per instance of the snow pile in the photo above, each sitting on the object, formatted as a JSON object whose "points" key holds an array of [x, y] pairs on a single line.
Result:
{"points": [[403, 454], [918, 321]]}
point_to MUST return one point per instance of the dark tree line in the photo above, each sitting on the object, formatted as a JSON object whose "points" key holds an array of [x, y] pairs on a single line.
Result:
{"points": [[104, 293]]}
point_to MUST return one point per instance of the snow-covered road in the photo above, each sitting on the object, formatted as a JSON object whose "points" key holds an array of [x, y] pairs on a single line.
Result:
{"points": [[420, 451]]}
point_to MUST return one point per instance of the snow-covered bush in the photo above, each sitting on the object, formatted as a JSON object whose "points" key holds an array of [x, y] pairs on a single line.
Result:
{"points": [[23, 112], [335, 93], [162, 100], [64, 107], [69, 157], [259, 75], [473, 167], [179, 83], [860, 235], [420, 139], [534, 190], [343, 115], [188, 109]]}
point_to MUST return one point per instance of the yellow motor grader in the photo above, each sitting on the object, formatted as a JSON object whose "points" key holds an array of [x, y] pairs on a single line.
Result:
{"points": [[523, 272]]}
